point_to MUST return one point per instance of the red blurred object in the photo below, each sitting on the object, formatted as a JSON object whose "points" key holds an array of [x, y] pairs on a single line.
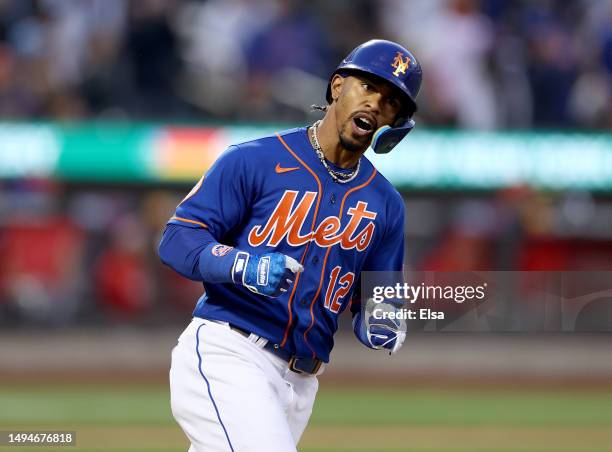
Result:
{"points": [[46, 252], [123, 284], [458, 252], [123, 279]]}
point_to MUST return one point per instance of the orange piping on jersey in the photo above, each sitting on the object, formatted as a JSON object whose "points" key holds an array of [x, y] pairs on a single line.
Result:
{"points": [[189, 221], [312, 228], [312, 318]]}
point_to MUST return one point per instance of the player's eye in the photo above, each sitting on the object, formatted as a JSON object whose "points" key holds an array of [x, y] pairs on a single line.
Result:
{"points": [[367, 87], [394, 102]]}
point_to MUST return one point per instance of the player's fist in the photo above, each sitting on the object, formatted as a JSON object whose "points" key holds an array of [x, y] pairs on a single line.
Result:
{"points": [[268, 274], [376, 329]]}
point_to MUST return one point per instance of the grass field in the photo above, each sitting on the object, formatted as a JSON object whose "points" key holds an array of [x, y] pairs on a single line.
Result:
{"points": [[137, 418]]}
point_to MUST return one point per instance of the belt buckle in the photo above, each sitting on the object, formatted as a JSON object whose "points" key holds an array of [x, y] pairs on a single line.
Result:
{"points": [[292, 366]]}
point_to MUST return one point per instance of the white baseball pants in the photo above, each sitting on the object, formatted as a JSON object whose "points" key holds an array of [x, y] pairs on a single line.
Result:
{"points": [[229, 394]]}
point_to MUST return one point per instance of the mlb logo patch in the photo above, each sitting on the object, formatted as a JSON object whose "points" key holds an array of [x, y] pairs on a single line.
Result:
{"points": [[221, 250]]}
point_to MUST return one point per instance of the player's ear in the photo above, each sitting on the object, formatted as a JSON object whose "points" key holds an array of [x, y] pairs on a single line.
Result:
{"points": [[336, 86]]}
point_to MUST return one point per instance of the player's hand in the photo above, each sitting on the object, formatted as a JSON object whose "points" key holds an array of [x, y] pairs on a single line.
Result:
{"points": [[268, 274], [376, 330]]}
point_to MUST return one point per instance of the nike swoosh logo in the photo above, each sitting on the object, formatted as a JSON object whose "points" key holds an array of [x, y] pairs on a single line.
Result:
{"points": [[281, 170]]}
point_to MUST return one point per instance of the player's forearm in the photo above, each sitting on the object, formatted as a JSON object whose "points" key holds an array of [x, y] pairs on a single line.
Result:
{"points": [[195, 254], [181, 247]]}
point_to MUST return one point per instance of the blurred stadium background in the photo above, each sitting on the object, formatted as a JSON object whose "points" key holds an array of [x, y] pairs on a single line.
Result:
{"points": [[110, 110]]}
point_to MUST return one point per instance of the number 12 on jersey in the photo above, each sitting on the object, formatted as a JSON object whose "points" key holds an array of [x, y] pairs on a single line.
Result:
{"points": [[338, 289]]}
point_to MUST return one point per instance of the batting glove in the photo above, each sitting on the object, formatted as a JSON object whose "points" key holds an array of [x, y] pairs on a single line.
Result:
{"points": [[376, 329], [268, 274]]}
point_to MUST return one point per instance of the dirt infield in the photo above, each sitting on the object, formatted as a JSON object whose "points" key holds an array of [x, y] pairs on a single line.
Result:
{"points": [[453, 438], [458, 438]]}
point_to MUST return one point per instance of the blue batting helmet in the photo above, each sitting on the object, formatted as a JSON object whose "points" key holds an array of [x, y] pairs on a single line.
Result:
{"points": [[394, 64]]}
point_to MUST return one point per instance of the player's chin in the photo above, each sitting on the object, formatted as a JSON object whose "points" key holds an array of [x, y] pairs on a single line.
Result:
{"points": [[355, 142]]}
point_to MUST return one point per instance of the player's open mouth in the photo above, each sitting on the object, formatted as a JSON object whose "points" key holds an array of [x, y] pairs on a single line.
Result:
{"points": [[363, 124]]}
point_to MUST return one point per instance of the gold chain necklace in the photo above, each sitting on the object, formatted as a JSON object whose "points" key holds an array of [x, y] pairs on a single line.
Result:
{"points": [[337, 176]]}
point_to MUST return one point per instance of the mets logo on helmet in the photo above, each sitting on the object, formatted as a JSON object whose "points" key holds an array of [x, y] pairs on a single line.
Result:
{"points": [[400, 64], [286, 222]]}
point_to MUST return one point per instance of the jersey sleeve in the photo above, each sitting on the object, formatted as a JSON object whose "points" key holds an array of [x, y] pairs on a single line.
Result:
{"points": [[180, 249], [220, 200]]}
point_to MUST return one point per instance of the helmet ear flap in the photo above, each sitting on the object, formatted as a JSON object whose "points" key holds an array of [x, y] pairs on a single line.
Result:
{"points": [[386, 138]]}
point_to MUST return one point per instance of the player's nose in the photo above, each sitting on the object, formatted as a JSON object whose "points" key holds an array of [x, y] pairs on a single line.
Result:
{"points": [[374, 103]]}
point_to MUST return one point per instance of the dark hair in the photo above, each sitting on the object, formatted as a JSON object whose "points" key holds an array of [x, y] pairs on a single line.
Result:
{"points": [[323, 108]]}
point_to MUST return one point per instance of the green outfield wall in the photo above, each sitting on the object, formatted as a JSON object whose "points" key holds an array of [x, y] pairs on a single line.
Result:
{"points": [[427, 160]]}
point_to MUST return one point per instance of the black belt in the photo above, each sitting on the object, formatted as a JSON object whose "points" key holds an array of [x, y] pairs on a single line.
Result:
{"points": [[296, 364]]}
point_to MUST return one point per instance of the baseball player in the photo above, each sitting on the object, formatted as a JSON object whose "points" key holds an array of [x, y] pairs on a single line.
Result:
{"points": [[279, 231]]}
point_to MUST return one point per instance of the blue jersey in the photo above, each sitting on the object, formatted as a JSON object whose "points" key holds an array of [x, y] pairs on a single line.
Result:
{"points": [[274, 195]]}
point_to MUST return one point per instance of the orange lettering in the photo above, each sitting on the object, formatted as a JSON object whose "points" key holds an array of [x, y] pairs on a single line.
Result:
{"points": [[363, 239], [357, 214], [285, 222], [324, 235]]}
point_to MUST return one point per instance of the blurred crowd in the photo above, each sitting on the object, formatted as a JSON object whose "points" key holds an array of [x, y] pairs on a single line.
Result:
{"points": [[488, 63], [87, 256]]}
